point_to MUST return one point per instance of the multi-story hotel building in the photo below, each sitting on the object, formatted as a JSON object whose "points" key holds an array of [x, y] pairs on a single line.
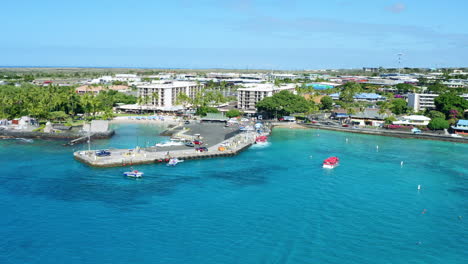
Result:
{"points": [[248, 97], [420, 102], [163, 94]]}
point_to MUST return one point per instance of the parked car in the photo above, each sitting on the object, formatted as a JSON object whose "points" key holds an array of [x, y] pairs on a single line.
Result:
{"points": [[197, 142], [201, 149], [187, 122], [345, 125], [189, 144], [102, 153]]}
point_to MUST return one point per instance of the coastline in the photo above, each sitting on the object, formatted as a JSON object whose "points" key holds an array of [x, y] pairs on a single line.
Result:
{"points": [[129, 120], [398, 134]]}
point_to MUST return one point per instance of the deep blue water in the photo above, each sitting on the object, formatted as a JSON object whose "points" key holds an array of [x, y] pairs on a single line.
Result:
{"points": [[266, 205]]}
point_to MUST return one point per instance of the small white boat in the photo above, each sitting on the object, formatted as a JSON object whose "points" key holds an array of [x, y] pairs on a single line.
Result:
{"points": [[134, 174], [174, 161]]}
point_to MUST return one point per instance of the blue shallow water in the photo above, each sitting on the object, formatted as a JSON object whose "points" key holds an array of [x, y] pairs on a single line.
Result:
{"points": [[267, 205]]}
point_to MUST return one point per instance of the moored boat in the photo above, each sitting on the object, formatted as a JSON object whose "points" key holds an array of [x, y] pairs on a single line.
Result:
{"points": [[331, 162], [174, 161], [261, 139], [134, 174]]}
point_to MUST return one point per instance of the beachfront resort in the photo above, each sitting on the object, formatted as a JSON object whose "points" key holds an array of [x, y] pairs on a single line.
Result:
{"points": [[420, 101], [234, 132]]}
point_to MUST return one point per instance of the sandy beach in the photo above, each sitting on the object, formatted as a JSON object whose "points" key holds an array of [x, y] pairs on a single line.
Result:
{"points": [[147, 119]]}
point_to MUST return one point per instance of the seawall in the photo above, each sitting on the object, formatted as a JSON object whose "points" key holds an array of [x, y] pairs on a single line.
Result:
{"points": [[57, 136], [388, 133]]}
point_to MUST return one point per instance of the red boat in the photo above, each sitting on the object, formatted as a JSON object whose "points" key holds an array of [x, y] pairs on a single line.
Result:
{"points": [[331, 162], [261, 139]]}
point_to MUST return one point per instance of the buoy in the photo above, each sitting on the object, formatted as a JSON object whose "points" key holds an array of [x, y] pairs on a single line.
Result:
{"points": [[419, 186]]}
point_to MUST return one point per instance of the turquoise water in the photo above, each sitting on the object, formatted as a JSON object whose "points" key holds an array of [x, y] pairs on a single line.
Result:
{"points": [[267, 205]]}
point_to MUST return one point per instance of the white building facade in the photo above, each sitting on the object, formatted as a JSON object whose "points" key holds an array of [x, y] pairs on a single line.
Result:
{"points": [[248, 97], [163, 94], [414, 120], [420, 102]]}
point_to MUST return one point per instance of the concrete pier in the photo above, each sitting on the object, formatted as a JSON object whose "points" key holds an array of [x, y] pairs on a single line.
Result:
{"points": [[128, 157]]}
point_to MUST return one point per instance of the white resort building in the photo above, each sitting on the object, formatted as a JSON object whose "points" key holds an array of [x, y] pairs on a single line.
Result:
{"points": [[162, 95], [420, 102], [413, 120], [248, 97]]}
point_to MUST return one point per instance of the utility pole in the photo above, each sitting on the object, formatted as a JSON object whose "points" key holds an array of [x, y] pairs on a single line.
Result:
{"points": [[399, 62]]}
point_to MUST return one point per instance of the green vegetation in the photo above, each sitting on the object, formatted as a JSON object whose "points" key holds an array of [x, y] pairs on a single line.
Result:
{"points": [[233, 113], [449, 102], [285, 103], [348, 91], [389, 120], [435, 114], [203, 110], [438, 123], [55, 103], [437, 88], [204, 101], [406, 87], [398, 106], [119, 83], [326, 103]]}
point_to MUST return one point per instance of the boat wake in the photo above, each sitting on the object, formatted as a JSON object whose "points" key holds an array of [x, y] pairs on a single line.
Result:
{"points": [[261, 145], [169, 143], [26, 140]]}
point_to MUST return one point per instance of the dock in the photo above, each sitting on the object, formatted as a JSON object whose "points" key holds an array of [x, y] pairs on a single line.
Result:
{"points": [[129, 157]]}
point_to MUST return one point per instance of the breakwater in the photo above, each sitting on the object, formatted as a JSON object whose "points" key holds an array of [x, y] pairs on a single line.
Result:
{"points": [[128, 157], [389, 133], [59, 136]]}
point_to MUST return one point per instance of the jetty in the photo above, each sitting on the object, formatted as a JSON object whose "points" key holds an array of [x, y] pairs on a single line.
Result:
{"points": [[218, 140], [125, 157]]}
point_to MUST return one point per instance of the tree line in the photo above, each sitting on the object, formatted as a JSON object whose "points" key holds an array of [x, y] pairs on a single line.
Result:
{"points": [[48, 102]]}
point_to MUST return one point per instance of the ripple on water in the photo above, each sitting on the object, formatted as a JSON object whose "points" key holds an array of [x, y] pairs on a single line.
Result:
{"points": [[266, 205]]}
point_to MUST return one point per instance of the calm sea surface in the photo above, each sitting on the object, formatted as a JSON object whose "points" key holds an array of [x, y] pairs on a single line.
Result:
{"points": [[267, 205]]}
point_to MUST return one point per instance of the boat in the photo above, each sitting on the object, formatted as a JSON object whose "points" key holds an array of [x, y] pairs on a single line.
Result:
{"points": [[174, 161], [261, 139], [331, 162], [134, 174]]}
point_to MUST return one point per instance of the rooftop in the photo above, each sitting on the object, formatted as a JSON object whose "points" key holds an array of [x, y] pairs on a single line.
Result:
{"points": [[462, 122]]}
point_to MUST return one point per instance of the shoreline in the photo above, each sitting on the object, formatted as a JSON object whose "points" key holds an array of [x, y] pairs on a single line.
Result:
{"points": [[397, 134], [123, 120]]}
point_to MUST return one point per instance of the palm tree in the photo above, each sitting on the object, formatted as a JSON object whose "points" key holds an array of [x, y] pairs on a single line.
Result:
{"points": [[155, 97], [183, 99]]}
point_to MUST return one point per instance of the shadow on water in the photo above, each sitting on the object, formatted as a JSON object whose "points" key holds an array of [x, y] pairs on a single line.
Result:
{"points": [[117, 191]]}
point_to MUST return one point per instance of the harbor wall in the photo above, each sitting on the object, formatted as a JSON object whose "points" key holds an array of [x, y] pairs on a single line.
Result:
{"points": [[398, 134], [57, 136]]}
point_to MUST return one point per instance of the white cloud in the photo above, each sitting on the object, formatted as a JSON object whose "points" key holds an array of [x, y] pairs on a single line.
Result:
{"points": [[396, 8]]}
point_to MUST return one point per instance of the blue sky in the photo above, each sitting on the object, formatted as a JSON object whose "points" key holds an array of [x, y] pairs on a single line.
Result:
{"points": [[294, 34]]}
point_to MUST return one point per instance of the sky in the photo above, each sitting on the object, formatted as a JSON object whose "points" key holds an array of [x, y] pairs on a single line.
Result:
{"points": [[237, 34]]}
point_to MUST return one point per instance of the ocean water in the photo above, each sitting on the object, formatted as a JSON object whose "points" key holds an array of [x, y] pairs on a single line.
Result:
{"points": [[272, 204]]}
